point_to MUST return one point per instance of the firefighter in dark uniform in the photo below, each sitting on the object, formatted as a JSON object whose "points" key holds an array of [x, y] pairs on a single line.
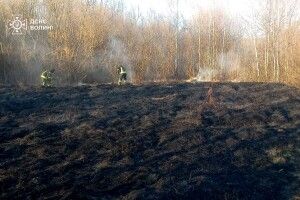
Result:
{"points": [[122, 75]]}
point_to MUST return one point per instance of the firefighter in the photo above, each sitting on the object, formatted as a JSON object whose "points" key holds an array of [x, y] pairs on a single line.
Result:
{"points": [[47, 78], [122, 75]]}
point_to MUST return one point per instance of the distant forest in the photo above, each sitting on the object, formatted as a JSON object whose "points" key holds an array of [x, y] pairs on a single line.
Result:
{"points": [[89, 40]]}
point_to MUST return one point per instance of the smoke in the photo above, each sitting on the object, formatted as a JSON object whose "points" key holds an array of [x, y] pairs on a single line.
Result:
{"points": [[39, 51], [27, 61], [119, 56], [227, 65], [104, 63], [206, 74]]}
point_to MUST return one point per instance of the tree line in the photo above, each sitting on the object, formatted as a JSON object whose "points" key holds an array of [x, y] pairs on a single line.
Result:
{"points": [[91, 38]]}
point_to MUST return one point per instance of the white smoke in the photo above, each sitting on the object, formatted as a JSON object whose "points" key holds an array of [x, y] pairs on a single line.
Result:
{"points": [[227, 65], [206, 75], [105, 62], [119, 56]]}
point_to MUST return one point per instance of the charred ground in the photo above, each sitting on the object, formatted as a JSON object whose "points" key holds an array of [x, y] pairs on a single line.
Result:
{"points": [[150, 142]]}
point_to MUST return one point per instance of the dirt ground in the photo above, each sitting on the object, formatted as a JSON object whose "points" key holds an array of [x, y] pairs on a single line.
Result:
{"points": [[174, 141]]}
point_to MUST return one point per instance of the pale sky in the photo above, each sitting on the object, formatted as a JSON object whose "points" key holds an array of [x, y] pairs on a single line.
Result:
{"points": [[189, 7]]}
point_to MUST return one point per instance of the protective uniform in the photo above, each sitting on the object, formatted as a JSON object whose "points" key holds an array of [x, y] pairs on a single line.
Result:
{"points": [[122, 75], [47, 78]]}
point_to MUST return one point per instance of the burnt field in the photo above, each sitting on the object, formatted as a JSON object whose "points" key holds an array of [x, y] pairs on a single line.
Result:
{"points": [[175, 141]]}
